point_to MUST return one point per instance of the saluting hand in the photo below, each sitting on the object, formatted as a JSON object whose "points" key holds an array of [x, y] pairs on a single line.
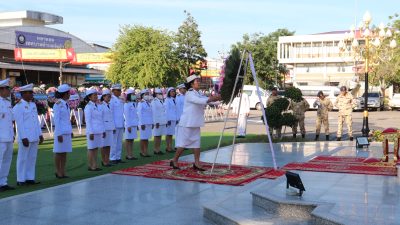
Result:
{"points": [[60, 138], [41, 139], [25, 142]]}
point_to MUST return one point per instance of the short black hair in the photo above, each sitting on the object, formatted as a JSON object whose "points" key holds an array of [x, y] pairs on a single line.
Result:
{"points": [[188, 85], [168, 93], [274, 89], [128, 97], [60, 94]]}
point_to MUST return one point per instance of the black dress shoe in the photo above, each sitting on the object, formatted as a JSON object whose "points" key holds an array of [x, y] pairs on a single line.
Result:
{"points": [[21, 183], [143, 155], [169, 151], [338, 139], [171, 164], [158, 153], [64, 177], [351, 138], [59, 177], [97, 169], [32, 182], [131, 158], [113, 161], [198, 168], [120, 161], [6, 188]]}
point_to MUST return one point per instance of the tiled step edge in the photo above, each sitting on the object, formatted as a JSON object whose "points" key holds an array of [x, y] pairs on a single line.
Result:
{"points": [[317, 212]]}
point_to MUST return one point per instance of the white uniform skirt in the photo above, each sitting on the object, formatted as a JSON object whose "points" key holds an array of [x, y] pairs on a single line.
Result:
{"points": [[65, 146], [109, 140], [171, 129], [160, 131], [132, 134], [146, 133], [187, 137], [96, 143]]}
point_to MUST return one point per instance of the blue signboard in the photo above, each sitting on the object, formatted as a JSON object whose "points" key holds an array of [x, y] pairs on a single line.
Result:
{"points": [[34, 40]]}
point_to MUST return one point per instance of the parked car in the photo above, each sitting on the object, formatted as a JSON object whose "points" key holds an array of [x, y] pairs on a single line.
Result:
{"points": [[310, 93], [251, 91], [394, 103], [375, 101]]}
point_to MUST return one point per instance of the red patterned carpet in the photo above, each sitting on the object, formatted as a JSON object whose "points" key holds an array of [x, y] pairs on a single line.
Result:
{"points": [[238, 175], [345, 164]]}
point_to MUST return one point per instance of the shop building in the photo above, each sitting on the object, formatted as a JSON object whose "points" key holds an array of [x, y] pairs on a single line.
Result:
{"points": [[31, 29]]}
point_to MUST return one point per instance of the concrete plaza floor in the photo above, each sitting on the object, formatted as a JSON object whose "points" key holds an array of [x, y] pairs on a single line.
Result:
{"points": [[118, 199]]}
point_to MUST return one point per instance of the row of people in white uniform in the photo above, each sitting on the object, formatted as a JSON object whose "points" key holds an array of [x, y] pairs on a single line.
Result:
{"points": [[150, 115], [26, 119]]}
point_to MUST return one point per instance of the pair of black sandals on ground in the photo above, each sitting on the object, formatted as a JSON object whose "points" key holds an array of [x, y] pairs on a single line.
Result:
{"points": [[172, 164], [28, 182], [61, 177]]}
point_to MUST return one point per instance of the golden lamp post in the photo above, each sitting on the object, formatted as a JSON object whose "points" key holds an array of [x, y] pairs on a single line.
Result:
{"points": [[366, 44]]}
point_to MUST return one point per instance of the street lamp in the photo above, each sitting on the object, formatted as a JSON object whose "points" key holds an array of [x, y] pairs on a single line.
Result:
{"points": [[365, 44]]}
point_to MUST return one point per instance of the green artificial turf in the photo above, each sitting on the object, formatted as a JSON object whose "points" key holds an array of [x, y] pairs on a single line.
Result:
{"points": [[77, 161]]}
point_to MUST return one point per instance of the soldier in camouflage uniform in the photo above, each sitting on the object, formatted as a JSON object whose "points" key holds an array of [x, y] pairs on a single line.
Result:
{"points": [[324, 106], [345, 103], [271, 99], [299, 110]]}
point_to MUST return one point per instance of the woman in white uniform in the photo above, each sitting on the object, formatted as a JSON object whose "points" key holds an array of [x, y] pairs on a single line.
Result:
{"points": [[159, 120], [109, 126], [172, 117], [145, 115], [62, 130], [188, 129], [95, 130], [131, 122]]}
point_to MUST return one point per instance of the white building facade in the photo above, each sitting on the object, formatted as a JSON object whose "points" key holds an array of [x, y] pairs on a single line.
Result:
{"points": [[316, 59]]}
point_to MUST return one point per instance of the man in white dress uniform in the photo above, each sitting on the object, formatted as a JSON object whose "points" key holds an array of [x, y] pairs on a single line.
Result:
{"points": [[6, 135], [29, 136], [117, 105]]}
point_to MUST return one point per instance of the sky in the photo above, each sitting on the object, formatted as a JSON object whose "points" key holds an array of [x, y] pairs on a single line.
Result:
{"points": [[221, 22]]}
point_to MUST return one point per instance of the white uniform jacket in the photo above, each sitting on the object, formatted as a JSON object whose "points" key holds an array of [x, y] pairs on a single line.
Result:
{"points": [[6, 119], [131, 114], [244, 106], [108, 116], [172, 111], [193, 110], [180, 102], [62, 122], [26, 118], [145, 113], [159, 112], [94, 118], [117, 106]]}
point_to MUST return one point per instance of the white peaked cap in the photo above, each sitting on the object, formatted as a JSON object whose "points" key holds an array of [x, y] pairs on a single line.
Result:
{"points": [[144, 91], [170, 89], [28, 87], [63, 88], [90, 91], [106, 91], [116, 86], [191, 78], [157, 91], [181, 86], [130, 91], [5, 83]]}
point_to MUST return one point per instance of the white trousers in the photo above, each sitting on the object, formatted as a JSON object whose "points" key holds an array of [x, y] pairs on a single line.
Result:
{"points": [[242, 124], [116, 148], [26, 161], [6, 151]]}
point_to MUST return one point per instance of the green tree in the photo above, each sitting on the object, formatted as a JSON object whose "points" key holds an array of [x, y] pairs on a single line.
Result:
{"points": [[143, 57], [264, 51], [189, 48], [386, 72]]}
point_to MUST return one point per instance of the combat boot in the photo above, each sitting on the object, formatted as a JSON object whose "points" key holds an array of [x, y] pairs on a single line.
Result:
{"points": [[294, 136], [327, 137], [316, 137], [338, 139], [303, 136]]}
